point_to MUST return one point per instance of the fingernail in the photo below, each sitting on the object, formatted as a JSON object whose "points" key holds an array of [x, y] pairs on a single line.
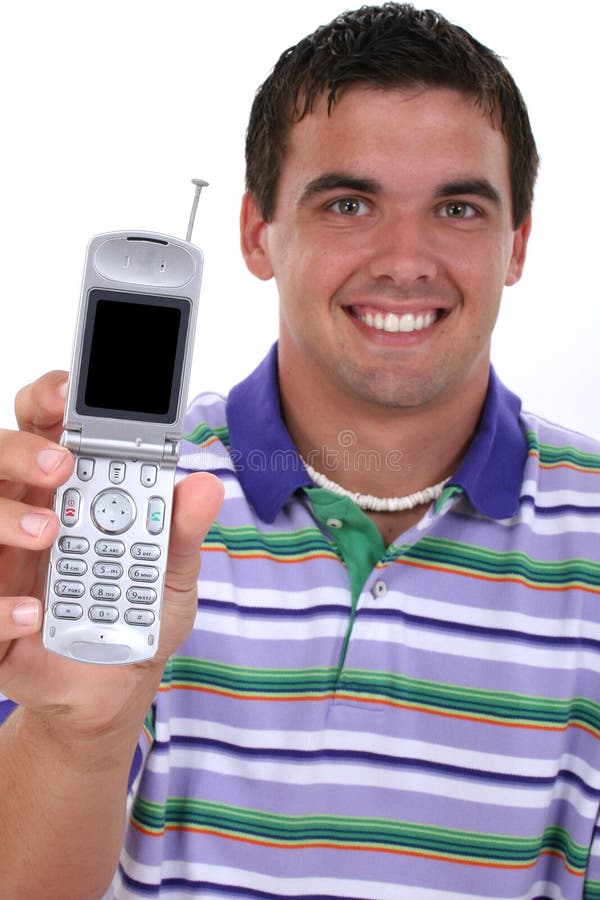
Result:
{"points": [[26, 613], [49, 460], [34, 523], [62, 390]]}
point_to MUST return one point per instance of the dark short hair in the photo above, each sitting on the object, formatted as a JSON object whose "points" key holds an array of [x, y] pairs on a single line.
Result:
{"points": [[389, 46]]}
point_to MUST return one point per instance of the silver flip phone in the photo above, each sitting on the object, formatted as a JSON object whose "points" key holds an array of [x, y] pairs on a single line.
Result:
{"points": [[123, 422]]}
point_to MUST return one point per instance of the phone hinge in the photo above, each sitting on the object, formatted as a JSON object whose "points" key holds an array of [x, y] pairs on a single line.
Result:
{"points": [[166, 453]]}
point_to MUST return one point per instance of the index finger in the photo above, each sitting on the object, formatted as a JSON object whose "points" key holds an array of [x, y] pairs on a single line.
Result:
{"points": [[39, 407]]}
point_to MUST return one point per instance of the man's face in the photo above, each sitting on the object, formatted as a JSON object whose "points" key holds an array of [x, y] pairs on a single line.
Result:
{"points": [[390, 244]]}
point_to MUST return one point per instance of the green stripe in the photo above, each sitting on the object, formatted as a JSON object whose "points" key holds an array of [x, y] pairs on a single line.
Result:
{"points": [[435, 552], [202, 673], [349, 833], [576, 572], [150, 722], [591, 890], [502, 706], [203, 434], [369, 686], [282, 545], [551, 455]]}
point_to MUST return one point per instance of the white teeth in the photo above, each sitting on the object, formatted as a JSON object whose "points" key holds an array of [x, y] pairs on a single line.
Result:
{"points": [[392, 322]]}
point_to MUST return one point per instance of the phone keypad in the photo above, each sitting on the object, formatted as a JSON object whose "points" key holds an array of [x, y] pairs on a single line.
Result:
{"points": [[135, 593], [108, 567]]}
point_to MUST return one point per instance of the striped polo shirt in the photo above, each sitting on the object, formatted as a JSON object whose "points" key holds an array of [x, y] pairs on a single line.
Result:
{"points": [[353, 721], [350, 720]]}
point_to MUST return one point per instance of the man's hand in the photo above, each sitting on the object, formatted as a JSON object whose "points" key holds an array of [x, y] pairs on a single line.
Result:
{"points": [[32, 465], [66, 751]]}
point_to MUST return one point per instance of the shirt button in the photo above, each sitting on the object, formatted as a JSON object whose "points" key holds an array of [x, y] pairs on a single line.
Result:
{"points": [[334, 523], [379, 589]]}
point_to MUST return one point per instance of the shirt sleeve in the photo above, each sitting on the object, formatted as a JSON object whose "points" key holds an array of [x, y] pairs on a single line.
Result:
{"points": [[6, 707]]}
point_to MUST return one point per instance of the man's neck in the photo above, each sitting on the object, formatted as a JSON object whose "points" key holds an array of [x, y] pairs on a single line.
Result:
{"points": [[386, 452]]}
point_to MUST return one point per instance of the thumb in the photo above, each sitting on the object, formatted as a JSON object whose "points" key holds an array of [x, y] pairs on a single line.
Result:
{"points": [[196, 503]]}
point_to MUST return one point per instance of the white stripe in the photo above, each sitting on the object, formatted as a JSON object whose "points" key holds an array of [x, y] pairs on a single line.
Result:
{"points": [[273, 630], [292, 887], [280, 598], [560, 496], [420, 607], [559, 524], [269, 598], [277, 628], [233, 490], [444, 611], [378, 743], [205, 460], [370, 775], [488, 650]]}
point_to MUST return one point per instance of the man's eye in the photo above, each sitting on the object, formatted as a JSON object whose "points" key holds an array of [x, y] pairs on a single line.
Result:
{"points": [[457, 209], [349, 206]]}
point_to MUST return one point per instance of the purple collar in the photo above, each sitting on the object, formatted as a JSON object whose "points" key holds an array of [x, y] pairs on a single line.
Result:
{"points": [[270, 468]]}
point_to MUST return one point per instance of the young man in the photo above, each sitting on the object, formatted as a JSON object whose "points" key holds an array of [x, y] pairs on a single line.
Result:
{"points": [[390, 689]]}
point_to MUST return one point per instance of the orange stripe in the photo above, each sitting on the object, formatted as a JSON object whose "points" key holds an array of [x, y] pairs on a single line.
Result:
{"points": [[324, 845], [588, 470], [240, 554], [204, 444], [564, 465], [499, 579], [411, 707], [417, 564]]}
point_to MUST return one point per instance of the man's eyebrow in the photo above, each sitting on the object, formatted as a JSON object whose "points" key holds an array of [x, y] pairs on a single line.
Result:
{"points": [[339, 181], [479, 187]]}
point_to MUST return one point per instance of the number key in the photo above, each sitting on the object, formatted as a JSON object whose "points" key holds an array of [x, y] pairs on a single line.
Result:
{"points": [[109, 548], [107, 570]]}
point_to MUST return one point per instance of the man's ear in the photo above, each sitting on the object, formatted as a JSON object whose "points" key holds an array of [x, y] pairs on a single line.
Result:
{"points": [[253, 237], [519, 252]]}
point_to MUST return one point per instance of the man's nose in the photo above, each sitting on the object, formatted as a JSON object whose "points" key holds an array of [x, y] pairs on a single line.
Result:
{"points": [[401, 250]]}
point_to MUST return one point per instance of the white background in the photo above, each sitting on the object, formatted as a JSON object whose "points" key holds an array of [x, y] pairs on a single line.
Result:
{"points": [[110, 108]]}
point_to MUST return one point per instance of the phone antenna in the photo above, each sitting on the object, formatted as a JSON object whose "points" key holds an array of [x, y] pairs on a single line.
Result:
{"points": [[200, 183]]}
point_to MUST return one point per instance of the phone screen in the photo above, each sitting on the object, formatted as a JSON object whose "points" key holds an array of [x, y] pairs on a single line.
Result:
{"points": [[132, 356]]}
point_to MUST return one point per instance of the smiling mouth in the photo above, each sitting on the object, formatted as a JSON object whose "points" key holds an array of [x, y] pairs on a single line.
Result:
{"points": [[394, 322]]}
